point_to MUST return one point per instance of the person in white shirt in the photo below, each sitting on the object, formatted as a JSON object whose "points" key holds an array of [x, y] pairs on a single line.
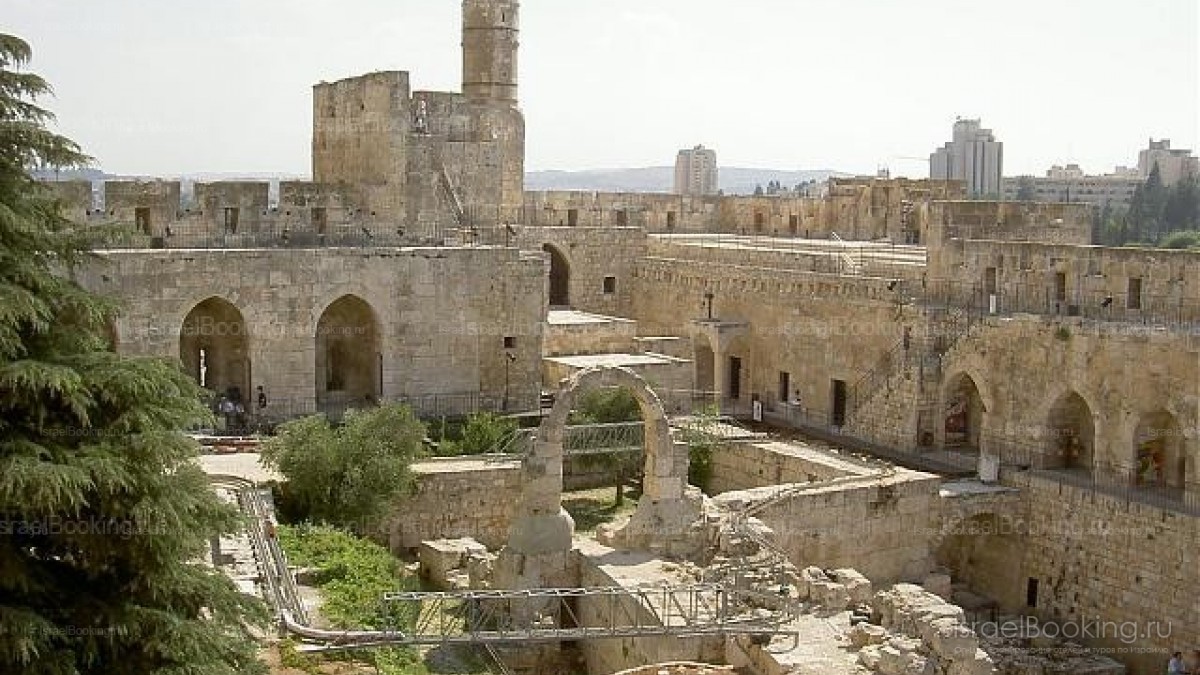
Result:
{"points": [[1175, 665]]}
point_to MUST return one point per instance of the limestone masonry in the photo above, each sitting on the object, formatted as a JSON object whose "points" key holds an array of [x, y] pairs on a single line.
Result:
{"points": [[1047, 389]]}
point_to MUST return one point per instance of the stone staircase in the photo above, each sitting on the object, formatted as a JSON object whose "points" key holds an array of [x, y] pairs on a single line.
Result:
{"points": [[901, 392]]}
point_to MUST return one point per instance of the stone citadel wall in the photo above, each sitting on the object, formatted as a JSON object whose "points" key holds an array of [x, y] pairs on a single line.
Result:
{"points": [[436, 319]]}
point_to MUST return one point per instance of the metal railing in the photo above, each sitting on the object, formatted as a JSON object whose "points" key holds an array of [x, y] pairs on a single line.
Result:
{"points": [[1044, 299], [1121, 483]]}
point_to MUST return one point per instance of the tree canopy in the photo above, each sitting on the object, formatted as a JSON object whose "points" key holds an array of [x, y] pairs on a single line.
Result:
{"points": [[346, 476], [105, 513], [1155, 213]]}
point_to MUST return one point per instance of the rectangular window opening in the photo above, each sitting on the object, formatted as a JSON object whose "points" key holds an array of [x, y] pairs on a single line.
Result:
{"points": [[232, 214], [1134, 300], [141, 219], [320, 219]]}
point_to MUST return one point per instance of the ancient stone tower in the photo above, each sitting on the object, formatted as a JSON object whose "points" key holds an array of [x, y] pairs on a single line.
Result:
{"points": [[490, 31]]}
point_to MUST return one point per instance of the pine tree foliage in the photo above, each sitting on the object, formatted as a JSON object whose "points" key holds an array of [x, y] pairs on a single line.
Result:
{"points": [[104, 513]]}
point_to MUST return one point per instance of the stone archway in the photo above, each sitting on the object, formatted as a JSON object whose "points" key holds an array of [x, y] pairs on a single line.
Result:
{"points": [[962, 414], [1159, 459], [348, 359], [214, 347], [1070, 441], [560, 277], [668, 505]]}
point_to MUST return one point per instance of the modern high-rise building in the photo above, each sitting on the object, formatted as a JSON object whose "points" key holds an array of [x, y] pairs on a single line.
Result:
{"points": [[974, 156], [1173, 164], [696, 172]]}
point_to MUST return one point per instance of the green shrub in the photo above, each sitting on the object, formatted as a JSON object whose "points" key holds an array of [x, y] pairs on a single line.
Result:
{"points": [[606, 406], [350, 475], [485, 431], [1181, 240], [703, 442]]}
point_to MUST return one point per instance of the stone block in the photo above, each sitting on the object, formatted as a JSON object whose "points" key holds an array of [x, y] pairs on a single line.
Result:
{"points": [[441, 557], [951, 639], [869, 657], [865, 634], [830, 595], [979, 664], [857, 585]]}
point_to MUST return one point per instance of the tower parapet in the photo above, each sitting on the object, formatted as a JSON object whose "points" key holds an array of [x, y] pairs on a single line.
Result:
{"points": [[490, 43]]}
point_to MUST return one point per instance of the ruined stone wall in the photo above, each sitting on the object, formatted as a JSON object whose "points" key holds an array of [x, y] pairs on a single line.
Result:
{"points": [[609, 656], [1057, 223], [1158, 283], [742, 465], [157, 200], [592, 254], [1106, 560], [650, 211], [827, 257], [611, 336], [232, 207], [425, 161], [75, 196], [475, 149], [880, 526], [441, 314], [853, 208], [308, 215], [816, 327], [1124, 373], [457, 498], [361, 128], [670, 378]]}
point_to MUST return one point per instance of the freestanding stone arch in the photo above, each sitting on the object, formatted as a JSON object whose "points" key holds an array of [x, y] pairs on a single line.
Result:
{"points": [[668, 506]]}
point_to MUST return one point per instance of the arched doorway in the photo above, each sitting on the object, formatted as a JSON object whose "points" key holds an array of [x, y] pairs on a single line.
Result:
{"points": [[1159, 459], [963, 415], [347, 355], [214, 348], [1071, 437], [560, 278]]}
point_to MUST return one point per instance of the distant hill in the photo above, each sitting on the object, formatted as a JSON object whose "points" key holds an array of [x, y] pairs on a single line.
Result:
{"points": [[733, 180], [69, 174]]}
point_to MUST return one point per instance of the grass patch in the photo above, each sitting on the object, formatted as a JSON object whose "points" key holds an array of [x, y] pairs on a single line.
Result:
{"points": [[592, 508], [353, 574]]}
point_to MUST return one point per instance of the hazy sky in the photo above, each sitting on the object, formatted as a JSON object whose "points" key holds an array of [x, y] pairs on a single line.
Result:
{"points": [[167, 87]]}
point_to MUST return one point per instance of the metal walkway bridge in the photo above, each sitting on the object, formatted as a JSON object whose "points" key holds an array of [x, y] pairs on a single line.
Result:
{"points": [[489, 618]]}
